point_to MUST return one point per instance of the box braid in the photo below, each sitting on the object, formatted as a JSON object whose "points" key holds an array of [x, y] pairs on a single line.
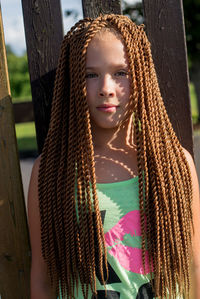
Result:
{"points": [[69, 226]]}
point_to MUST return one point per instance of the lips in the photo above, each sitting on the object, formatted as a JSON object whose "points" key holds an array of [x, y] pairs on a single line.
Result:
{"points": [[108, 108]]}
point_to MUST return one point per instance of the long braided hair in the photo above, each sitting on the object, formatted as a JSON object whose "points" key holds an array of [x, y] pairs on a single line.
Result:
{"points": [[72, 234]]}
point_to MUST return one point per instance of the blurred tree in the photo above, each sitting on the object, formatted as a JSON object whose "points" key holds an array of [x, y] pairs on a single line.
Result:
{"points": [[71, 12], [18, 74], [192, 27], [134, 11]]}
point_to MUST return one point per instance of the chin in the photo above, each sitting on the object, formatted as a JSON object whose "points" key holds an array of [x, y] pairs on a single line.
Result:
{"points": [[101, 123], [107, 125]]}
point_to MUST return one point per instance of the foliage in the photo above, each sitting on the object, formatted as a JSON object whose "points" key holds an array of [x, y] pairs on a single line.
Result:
{"points": [[26, 139], [134, 11], [71, 12], [18, 74], [192, 27]]}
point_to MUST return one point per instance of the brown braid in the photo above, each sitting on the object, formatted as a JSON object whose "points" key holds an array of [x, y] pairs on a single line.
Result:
{"points": [[70, 216]]}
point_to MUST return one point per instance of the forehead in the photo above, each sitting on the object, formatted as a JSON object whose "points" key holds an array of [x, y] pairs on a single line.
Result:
{"points": [[106, 47], [108, 32]]}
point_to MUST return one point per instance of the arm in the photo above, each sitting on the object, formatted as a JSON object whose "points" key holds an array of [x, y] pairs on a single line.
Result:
{"points": [[196, 221], [40, 285]]}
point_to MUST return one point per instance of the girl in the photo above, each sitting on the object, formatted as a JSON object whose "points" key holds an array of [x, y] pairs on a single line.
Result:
{"points": [[113, 200]]}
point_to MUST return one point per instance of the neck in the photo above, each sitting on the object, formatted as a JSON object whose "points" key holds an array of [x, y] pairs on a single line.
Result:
{"points": [[121, 137]]}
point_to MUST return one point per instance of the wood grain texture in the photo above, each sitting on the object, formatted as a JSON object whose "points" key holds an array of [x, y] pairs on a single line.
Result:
{"points": [[23, 112], [165, 30], [44, 33], [4, 80], [14, 238], [93, 8]]}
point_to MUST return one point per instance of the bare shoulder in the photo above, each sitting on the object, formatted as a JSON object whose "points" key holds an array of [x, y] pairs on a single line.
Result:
{"points": [[37, 162], [195, 208], [193, 171], [36, 165], [195, 182], [188, 157], [33, 192], [34, 176], [33, 205]]}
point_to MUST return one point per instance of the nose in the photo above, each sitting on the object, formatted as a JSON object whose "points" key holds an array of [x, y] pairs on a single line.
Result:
{"points": [[106, 88]]}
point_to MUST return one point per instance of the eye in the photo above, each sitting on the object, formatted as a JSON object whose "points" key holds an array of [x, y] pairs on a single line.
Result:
{"points": [[90, 75], [121, 73]]}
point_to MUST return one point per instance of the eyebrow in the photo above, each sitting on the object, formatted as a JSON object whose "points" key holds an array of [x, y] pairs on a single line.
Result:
{"points": [[124, 66]]}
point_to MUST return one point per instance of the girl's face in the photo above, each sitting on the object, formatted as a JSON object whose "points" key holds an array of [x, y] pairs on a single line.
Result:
{"points": [[107, 80]]}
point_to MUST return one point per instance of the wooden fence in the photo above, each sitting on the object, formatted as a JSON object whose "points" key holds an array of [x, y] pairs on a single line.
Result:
{"points": [[14, 239], [44, 32]]}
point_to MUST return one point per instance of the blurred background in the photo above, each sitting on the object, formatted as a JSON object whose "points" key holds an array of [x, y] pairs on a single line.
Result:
{"points": [[72, 12]]}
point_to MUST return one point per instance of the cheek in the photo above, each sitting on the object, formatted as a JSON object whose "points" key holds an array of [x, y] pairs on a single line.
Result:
{"points": [[90, 93], [124, 90], [90, 85]]}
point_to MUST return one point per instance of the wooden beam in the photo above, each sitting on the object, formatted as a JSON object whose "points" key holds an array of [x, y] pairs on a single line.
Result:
{"points": [[14, 239], [165, 30], [93, 8], [44, 33]]}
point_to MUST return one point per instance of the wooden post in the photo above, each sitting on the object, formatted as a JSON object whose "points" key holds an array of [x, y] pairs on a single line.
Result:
{"points": [[44, 33], [23, 112], [165, 30], [14, 240], [93, 8]]}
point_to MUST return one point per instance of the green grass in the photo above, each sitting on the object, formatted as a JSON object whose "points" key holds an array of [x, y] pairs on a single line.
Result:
{"points": [[21, 99], [196, 132], [26, 136]]}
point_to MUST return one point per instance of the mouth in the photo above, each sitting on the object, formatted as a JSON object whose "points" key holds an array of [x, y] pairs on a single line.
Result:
{"points": [[108, 108]]}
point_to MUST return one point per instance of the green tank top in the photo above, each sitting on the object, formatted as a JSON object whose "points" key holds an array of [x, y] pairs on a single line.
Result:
{"points": [[119, 206]]}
